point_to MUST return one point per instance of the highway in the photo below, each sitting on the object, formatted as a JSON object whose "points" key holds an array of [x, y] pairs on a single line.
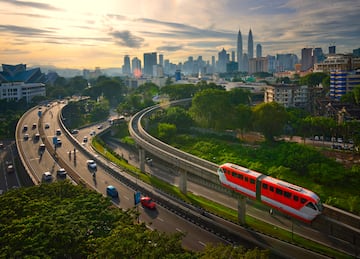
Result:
{"points": [[162, 219]]}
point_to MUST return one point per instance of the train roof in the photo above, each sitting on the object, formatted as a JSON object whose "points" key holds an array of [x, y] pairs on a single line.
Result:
{"points": [[292, 187], [242, 169]]}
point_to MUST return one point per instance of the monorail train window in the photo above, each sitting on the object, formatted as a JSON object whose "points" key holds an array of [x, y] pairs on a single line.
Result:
{"points": [[246, 179], [240, 176], [296, 198], [265, 186], [287, 194], [311, 206], [252, 181], [278, 191], [234, 174], [271, 188], [303, 200]]}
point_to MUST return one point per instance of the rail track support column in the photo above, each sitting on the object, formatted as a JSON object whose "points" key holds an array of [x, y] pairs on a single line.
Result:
{"points": [[142, 159], [183, 180], [241, 209]]}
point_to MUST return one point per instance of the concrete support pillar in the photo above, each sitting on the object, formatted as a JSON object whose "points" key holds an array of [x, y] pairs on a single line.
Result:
{"points": [[241, 209], [142, 159], [183, 180]]}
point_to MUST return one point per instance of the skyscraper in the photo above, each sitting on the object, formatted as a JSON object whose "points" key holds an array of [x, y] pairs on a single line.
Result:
{"points": [[136, 67], [161, 60], [306, 59], [126, 67], [150, 60], [258, 51], [250, 45], [239, 52]]}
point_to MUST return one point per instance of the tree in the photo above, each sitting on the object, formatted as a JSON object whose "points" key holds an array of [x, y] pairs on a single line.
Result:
{"points": [[243, 118], [61, 220], [270, 119], [313, 79], [210, 109], [178, 116], [179, 91], [166, 131]]}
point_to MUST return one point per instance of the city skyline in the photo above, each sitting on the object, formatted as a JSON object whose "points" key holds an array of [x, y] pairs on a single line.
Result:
{"points": [[86, 35]]}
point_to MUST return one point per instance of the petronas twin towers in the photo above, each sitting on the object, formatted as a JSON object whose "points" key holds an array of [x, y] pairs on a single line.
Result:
{"points": [[243, 58]]}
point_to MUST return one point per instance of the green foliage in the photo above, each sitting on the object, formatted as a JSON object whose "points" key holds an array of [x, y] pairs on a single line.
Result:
{"points": [[166, 131], [113, 89], [314, 79], [352, 96], [88, 111], [179, 91], [270, 119], [178, 116], [61, 220], [10, 113]]}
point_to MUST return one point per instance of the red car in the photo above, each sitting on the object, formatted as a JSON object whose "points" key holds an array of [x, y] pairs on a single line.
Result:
{"points": [[147, 202]]}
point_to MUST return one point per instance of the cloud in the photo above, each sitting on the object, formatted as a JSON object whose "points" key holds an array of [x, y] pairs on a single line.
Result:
{"points": [[23, 31], [37, 5], [126, 38], [169, 48]]}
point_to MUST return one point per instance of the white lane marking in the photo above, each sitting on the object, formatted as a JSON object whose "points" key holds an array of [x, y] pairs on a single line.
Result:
{"points": [[179, 230], [126, 197], [160, 219]]}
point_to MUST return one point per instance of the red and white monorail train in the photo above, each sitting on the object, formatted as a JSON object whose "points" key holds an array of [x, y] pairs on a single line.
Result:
{"points": [[290, 199]]}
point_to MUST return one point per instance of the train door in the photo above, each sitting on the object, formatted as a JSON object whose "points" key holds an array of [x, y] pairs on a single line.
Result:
{"points": [[258, 187]]}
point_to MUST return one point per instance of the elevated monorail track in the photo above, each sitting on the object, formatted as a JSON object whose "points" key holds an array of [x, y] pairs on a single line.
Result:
{"points": [[334, 222]]}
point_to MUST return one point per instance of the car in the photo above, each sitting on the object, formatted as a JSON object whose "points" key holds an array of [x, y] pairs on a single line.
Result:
{"points": [[91, 164], [26, 136], [47, 177], [25, 128], [100, 126], [37, 137], [47, 125], [85, 139], [10, 168], [75, 131], [42, 147], [147, 202], [112, 192], [61, 173], [34, 126], [58, 132], [149, 161], [58, 142]]}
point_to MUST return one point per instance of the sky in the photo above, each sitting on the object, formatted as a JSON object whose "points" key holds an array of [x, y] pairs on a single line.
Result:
{"points": [[87, 34]]}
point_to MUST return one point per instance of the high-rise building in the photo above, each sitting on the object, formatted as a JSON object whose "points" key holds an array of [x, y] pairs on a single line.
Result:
{"points": [[223, 59], [332, 49], [126, 70], [306, 59], [150, 60], [161, 60], [239, 51], [318, 55], [285, 62], [233, 56], [136, 67], [258, 51], [250, 45], [356, 52]]}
